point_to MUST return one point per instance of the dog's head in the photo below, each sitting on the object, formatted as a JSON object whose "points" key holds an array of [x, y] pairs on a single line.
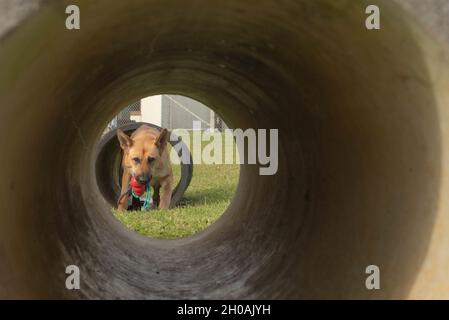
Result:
{"points": [[142, 155]]}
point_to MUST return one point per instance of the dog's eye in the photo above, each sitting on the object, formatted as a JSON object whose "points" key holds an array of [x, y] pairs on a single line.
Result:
{"points": [[136, 160], [151, 159]]}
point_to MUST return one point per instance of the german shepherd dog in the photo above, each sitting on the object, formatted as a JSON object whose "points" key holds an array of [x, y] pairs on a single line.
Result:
{"points": [[146, 158]]}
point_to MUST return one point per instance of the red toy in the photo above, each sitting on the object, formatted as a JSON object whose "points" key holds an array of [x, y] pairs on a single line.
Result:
{"points": [[138, 188]]}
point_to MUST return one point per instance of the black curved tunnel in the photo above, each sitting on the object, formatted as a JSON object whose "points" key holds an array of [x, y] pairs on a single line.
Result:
{"points": [[363, 125]]}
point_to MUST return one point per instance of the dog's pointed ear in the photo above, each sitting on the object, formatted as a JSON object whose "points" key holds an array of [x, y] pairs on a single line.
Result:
{"points": [[162, 139], [125, 141]]}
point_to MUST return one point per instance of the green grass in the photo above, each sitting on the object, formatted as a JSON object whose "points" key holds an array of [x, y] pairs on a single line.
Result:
{"points": [[210, 192]]}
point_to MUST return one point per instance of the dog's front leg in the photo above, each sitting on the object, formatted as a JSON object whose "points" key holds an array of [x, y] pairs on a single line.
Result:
{"points": [[123, 203], [156, 195], [166, 194]]}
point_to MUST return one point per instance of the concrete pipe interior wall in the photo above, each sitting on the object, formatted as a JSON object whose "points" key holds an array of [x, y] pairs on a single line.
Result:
{"points": [[363, 161]]}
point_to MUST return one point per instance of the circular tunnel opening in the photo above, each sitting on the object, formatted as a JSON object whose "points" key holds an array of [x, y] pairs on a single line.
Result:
{"points": [[201, 163], [361, 123]]}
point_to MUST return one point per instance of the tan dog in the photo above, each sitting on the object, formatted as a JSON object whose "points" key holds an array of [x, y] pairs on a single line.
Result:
{"points": [[145, 156]]}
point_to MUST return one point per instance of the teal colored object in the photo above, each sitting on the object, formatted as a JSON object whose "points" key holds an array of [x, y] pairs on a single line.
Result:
{"points": [[147, 202]]}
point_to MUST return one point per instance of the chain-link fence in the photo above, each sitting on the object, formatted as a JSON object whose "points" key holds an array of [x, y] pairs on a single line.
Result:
{"points": [[128, 115]]}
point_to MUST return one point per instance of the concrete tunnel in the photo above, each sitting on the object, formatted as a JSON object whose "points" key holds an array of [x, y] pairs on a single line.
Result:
{"points": [[363, 119]]}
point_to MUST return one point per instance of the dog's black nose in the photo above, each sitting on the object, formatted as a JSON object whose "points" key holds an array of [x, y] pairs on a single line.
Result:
{"points": [[143, 179]]}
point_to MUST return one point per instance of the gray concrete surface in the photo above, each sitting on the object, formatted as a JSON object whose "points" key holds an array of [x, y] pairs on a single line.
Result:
{"points": [[363, 175], [433, 14]]}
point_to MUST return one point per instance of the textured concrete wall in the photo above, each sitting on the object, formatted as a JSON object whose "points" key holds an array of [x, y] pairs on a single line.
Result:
{"points": [[363, 169], [433, 14], [14, 11]]}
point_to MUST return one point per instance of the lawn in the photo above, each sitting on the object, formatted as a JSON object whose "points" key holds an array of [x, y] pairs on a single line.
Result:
{"points": [[210, 192]]}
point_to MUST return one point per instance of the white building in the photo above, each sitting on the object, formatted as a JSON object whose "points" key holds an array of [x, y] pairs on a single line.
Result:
{"points": [[169, 111]]}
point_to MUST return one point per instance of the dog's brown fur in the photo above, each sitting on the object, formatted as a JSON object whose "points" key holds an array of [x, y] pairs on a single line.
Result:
{"points": [[145, 155]]}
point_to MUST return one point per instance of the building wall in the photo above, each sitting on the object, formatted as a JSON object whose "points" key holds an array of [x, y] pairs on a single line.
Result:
{"points": [[151, 110], [179, 112]]}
